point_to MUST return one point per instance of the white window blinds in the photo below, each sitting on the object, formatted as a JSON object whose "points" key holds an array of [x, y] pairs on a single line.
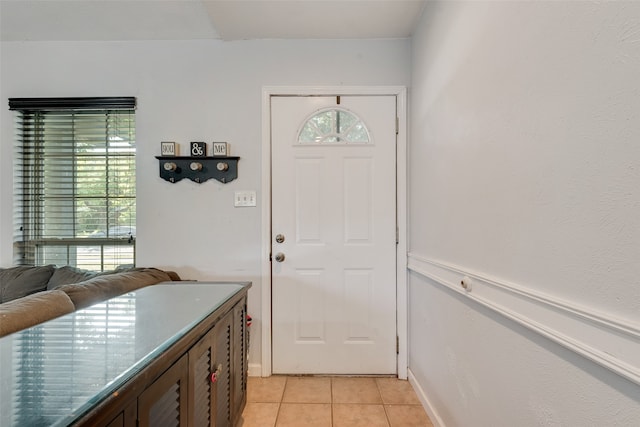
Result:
{"points": [[74, 182]]}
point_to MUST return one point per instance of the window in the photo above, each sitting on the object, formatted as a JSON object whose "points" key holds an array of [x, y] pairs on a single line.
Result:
{"points": [[74, 182], [333, 126]]}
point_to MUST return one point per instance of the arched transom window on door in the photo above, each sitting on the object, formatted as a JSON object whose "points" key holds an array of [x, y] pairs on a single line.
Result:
{"points": [[333, 126]]}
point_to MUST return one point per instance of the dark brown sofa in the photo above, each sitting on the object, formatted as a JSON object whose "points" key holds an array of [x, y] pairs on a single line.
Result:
{"points": [[32, 295]]}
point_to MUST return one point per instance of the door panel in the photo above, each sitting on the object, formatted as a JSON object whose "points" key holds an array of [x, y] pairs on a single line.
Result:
{"points": [[357, 289], [358, 195], [308, 198], [310, 319], [334, 294]]}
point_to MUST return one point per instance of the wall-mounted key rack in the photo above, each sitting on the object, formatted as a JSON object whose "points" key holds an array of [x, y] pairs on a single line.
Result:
{"points": [[198, 169]]}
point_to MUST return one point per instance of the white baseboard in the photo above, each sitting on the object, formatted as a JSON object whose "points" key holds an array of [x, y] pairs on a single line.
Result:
{"points": [[599, 336], [426, 403], [255, 370]]}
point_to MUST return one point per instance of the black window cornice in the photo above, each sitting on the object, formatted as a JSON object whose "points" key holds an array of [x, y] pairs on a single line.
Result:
{"points": [[83, 103]]}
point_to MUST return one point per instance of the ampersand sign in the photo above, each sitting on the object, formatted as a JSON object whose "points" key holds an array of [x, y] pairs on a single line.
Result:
{"points": [[198, 149]]}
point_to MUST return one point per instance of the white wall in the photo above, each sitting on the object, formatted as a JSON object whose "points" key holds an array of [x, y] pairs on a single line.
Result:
{"points": [[524, 160], [190, 91]]}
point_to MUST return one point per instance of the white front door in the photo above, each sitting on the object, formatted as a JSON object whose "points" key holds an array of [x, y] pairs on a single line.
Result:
{"points": [[333, 234]]}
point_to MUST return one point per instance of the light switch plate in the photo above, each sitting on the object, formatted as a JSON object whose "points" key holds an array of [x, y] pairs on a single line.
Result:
{"points": [[244, 199]]}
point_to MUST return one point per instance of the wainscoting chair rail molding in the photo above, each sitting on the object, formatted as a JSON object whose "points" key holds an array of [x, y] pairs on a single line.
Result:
{"points": [[604, 339]]}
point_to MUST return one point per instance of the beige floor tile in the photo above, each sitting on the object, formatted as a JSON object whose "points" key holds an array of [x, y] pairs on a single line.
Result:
{"points": [[407, 416], [304, 414], [396, 391], [259, 415], [356, 415], [307, 390], [265, 389], [355, 390]]}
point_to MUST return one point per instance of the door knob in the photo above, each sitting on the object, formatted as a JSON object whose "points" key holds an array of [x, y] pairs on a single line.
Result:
{"points": [[280, 238], [279, 257], [214, 375]]}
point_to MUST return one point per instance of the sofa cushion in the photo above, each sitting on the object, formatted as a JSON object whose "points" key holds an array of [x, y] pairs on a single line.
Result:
{"points": [[103, 287], [17, 282], [67, 274], [33, 309]]}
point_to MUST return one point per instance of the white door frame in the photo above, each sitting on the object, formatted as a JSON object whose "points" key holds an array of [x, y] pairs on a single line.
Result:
{"points": [[401, 194]]}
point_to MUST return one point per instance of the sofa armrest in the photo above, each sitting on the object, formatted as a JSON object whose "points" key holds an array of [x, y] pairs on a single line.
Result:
{"points": [[173, 275], [101, 288], [33, 309]]}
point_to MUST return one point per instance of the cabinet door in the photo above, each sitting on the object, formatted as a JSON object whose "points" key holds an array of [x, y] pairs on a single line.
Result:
{"points": [[127, 418], [117, 421], [210, 377], [201, 388], [239, 352], [164, 403], [222, 361]]}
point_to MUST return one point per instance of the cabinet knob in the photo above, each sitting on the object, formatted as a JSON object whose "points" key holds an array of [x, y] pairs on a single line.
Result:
{"points": [[214, 375]]}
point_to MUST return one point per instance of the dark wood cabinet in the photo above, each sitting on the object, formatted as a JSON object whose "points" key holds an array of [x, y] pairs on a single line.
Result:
{"points": [[206, 386], [199, 381]]}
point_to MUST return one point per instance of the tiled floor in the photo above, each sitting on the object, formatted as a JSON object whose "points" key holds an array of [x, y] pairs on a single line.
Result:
{"points": [[283, 401]]}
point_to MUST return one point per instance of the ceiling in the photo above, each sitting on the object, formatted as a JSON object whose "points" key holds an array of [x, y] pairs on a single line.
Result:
{"points": [[76, 20]]}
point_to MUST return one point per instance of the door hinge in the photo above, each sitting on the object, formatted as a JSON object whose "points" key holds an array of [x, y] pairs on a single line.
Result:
{"points": [[397, 125], [397, 344], [397, 235]]}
